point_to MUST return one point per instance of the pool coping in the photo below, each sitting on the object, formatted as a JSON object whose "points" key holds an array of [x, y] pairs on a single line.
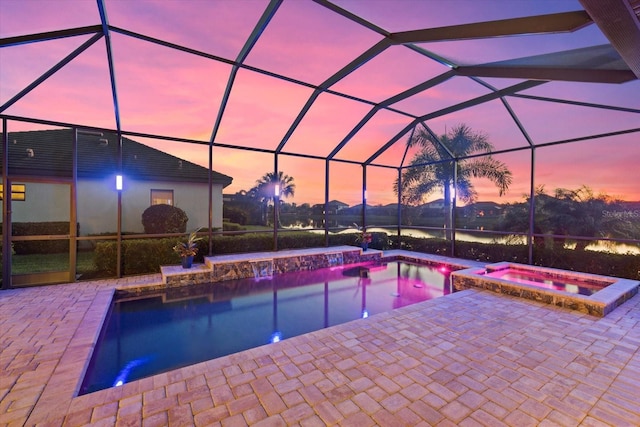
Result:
{"points": [[598, 304]]}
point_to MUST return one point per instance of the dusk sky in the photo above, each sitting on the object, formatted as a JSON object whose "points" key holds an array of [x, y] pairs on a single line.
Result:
{"points": [[165, 92]]}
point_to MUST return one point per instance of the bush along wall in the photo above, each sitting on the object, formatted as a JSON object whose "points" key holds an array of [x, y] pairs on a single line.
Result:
{"points": [[139, 256], [44, 229]]}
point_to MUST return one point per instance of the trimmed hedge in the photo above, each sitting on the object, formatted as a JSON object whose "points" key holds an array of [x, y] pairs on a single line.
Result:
{"points": [[232, 226], [140, 256], [37, 229]]}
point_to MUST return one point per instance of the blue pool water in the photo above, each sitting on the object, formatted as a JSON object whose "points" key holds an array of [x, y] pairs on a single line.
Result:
{"points": [[187, 325]]}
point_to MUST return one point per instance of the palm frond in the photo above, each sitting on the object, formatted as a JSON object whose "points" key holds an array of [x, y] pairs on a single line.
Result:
{"points": [[492, 169]]}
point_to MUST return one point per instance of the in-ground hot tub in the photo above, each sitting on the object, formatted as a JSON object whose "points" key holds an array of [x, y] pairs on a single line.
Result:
{"points": [[587, 293]]}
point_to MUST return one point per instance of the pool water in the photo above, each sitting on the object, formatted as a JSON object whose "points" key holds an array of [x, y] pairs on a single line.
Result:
{"points": [[541, 280], [188, 325]]}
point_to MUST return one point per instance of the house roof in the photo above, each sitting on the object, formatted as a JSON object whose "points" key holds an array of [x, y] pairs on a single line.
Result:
{"points": [[49, 153]]}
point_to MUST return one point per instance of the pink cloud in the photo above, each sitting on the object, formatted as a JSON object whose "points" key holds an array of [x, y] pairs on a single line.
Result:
{"points": [[328, 121], [605, 165], [20, 17], [549, 122], [260, 110], [383, 126], [165, 92], [228, 23], [446, 94], [309, 43], [78, 93]]}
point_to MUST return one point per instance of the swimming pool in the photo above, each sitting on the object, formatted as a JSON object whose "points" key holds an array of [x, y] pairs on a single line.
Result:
{"points": [[190, 324]]}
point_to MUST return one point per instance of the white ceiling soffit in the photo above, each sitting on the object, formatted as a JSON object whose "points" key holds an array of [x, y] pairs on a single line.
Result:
{"points": [[619, 21]]}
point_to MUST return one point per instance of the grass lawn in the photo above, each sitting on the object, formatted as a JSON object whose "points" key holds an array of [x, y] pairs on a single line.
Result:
{"points": [[40, 263]]}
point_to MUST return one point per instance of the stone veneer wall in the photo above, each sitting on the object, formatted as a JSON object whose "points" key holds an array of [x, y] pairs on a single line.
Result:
{"points": [[277, 264], [599, 304]]}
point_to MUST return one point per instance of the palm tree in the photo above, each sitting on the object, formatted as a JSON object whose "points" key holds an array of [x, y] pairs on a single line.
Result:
{"points": [[265, 189], [432, 167]]}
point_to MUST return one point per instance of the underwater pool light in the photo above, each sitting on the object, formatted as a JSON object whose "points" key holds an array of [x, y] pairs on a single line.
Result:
{"points": [[276, 337]]}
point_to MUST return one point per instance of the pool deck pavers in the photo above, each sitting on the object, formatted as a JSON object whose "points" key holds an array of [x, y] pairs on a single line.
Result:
{"points": [[473, 358]]}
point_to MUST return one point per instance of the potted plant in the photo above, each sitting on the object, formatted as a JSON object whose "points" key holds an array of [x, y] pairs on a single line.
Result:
{"points": [[188, 249], [363, 237]]}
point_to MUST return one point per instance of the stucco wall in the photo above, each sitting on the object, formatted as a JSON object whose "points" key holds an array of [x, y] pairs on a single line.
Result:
{"points": [[50, 201], [95, 212], [98, 201]]}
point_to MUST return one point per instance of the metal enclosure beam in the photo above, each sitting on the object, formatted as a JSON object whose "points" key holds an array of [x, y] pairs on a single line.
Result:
{"points": [[6, 210], [585, 75], [541, 24]]}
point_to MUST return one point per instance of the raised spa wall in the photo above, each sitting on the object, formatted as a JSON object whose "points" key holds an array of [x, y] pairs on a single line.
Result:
{"points": [[264, 264], [599, 304]]}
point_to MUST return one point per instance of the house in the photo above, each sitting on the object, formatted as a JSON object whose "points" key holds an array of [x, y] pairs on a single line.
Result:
{"points": [[432, 208], [482, 209], [41, 170], [333, 207]]}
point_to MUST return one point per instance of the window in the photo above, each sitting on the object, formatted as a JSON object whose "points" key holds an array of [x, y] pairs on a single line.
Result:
{"points": [[162, 197], [18, 192]]}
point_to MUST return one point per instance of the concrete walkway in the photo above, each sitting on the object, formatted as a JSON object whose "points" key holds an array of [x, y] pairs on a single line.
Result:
{"points": [[471, 358]]}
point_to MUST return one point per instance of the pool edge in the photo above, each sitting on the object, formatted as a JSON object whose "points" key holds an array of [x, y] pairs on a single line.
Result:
{"points": [[599, 304]]}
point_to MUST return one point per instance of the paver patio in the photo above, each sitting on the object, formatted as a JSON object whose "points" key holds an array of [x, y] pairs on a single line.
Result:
{"points": [[470, 358]]}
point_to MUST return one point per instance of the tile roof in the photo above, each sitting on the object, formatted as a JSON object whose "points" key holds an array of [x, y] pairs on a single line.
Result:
{"points": [[49, 153]]}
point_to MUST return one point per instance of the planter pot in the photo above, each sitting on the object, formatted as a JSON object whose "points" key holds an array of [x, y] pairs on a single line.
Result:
{"points": [[365, 246], [187, 261]]}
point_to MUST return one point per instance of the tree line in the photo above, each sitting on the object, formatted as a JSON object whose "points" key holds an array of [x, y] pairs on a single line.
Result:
{"points": [[432, 170]]}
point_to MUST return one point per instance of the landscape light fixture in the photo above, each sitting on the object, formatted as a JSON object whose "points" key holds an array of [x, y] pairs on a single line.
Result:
{"points": [[276, 190], [119, 182]]}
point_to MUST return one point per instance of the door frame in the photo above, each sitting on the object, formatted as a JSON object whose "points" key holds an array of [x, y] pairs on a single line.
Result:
{"points": [[49, 277]]}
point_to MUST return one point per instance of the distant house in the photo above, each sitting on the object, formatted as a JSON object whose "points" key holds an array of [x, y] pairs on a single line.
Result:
{"points": [[483, 209], [333, 207], [432, 208], [41, 165]]}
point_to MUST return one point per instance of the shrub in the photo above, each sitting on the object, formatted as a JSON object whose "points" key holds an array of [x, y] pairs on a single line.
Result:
{"points": [[235, 214], [160, 219], [232, 226], [139, 256], [40, 228]]}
